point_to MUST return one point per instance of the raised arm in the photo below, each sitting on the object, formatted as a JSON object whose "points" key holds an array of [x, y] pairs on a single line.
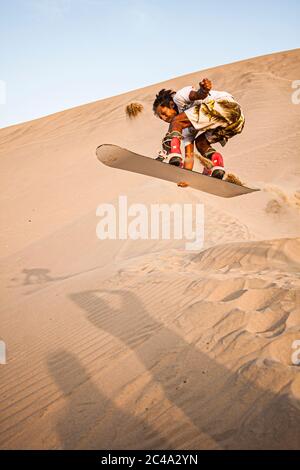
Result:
{"points": [[204, 88], [179, 123]]}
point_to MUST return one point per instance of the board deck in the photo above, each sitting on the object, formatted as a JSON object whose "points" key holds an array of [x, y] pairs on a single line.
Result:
{"points": [[123, 159]]}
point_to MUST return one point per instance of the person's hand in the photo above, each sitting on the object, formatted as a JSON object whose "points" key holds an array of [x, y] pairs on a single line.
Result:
{"points": [[205, 85]]}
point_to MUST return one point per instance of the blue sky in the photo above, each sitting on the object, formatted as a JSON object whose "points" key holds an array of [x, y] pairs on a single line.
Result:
{"points": [[57, 54]]}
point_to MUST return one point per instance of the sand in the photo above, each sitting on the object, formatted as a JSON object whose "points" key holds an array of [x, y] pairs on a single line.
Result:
{"points": [[141, 344]]}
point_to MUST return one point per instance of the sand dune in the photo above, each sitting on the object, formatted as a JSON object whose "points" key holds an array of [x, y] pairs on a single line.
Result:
{"points": [[142, 344]]}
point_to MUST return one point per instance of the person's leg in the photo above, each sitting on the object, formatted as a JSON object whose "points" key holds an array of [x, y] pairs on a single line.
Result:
{"points": [[210, 117], [211, 160], [189, 156], [173, 138], [202, 144], [188, 161]]}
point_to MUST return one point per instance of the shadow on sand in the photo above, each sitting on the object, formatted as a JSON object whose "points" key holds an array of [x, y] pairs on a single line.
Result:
{"points": [[91, 420], [229, 409]]}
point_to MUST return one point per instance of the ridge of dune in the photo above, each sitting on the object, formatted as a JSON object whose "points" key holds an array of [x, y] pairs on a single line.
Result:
{"points": [[139, 343], [253, 60]]}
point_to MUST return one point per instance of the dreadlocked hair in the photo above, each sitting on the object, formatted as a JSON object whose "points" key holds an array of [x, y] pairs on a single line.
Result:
{"points": [[163, 98]]}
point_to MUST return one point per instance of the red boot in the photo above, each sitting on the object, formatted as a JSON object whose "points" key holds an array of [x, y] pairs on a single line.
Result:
{"points": [[175, 154], [217, 169]]}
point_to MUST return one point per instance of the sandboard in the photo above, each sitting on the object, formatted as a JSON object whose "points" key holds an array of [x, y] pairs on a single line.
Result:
{"points": [[123, 159]]}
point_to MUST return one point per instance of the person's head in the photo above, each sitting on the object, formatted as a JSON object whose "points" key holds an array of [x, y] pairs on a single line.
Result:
{"points": [[164, 106]]}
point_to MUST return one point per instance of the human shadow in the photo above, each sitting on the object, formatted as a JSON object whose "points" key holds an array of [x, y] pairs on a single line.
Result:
{"points": [[38, 276], [235, 415], [91, 420], [41, 277]]}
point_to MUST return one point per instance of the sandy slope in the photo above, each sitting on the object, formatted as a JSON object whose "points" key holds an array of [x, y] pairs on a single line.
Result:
{"points": [[141, 344]]}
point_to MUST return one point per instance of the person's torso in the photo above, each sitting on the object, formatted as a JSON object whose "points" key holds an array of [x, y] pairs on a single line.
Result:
{"points": [[181, 98], [182, 101]]}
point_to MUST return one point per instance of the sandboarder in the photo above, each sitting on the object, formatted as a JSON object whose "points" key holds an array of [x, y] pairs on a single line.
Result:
{"points": [[202, 117]]}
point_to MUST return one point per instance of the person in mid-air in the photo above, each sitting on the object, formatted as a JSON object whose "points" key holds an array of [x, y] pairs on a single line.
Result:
{"points": [[202, 117]]}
